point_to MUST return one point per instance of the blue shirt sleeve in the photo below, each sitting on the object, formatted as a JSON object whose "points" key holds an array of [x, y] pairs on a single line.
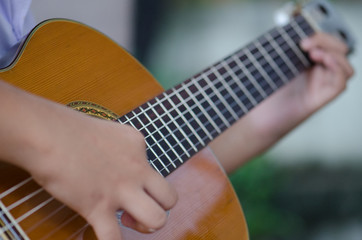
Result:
{"points": [[15, 23]]}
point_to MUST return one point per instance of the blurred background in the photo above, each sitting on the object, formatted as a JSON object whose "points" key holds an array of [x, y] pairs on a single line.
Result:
{"points": [[309, 186]]}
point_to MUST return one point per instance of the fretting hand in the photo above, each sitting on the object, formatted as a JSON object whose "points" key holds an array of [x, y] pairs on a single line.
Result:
{"points": [[289, 106]]}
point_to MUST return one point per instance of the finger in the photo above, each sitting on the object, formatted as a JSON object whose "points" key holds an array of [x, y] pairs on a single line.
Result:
{"points": [[147, 214], [324, 41], [335, 62], [106, 226], [162, 192]]}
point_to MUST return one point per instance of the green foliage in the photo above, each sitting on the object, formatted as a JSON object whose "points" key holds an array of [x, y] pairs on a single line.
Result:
{"points": [[257, 184]]}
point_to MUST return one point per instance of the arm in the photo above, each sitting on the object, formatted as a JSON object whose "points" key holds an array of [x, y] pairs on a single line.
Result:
{"points": [[289, 106], [60, 146]]}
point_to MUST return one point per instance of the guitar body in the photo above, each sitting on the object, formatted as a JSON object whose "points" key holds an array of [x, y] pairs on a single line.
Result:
{"points": [[65, 62]]}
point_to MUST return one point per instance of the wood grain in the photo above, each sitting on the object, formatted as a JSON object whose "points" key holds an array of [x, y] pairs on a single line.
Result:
{"points": [[64, 61]]}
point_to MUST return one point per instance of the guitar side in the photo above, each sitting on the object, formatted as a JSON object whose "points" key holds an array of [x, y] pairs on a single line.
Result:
{"points": [[64, 61]]}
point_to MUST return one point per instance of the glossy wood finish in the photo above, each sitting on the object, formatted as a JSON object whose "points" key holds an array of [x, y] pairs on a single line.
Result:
{"points": [[64, 62]]}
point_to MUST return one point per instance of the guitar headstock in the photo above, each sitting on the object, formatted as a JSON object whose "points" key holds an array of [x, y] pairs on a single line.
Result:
{"points": [[323, 17]]}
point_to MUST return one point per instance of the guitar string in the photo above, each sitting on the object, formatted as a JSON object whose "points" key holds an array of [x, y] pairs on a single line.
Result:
{"points": [[180, 104], [186, 86], [53, 213], [168, 131], [27, 180], [16, 204], [146, 126], [14, 188], [77, 233], [87, 224], [181, 127], [23, 199], [60, 226], [293, 23], [258, 66], [7, 219]]}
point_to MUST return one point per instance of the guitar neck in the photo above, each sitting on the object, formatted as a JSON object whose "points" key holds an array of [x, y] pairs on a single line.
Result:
{"points": [[183, 120]]}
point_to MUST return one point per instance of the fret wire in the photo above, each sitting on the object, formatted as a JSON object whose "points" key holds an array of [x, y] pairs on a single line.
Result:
{"points": [[165, 152], [184, 124], [240, 86], [159, 171], [158, 156], [170, 132], [271, 62], [292, 33], [282, 43], [260, 69], [135, 114], [183, 102], [250, 77], [277, 49], [188, 84], [281, 54], [298, 28], [239, 83], [176, 91], [206, 114], [300, 32], [185, 84], [190, 110], [165, 139], [294, 47], [235, 78], [243, 81], [229, 94], [152, 162], [228, 89], [217, 94], [187, 123], [179, 116]]}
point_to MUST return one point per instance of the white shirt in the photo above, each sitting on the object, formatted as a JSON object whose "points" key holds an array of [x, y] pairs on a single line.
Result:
{"points": [[15, 23]]}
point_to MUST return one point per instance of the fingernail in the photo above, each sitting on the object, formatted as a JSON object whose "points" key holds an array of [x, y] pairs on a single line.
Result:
{"points": [[151, 230]]}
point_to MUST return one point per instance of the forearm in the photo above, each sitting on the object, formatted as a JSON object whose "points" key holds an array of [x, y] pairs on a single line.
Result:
{"points": [[17, 124], [29, 126]]}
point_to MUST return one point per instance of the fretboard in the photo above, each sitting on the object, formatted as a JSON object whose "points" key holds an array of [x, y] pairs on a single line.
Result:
{"points": [[183, 120]]}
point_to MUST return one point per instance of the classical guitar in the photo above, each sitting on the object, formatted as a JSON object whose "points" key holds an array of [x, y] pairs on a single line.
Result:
{"points": [[74, 65]]}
